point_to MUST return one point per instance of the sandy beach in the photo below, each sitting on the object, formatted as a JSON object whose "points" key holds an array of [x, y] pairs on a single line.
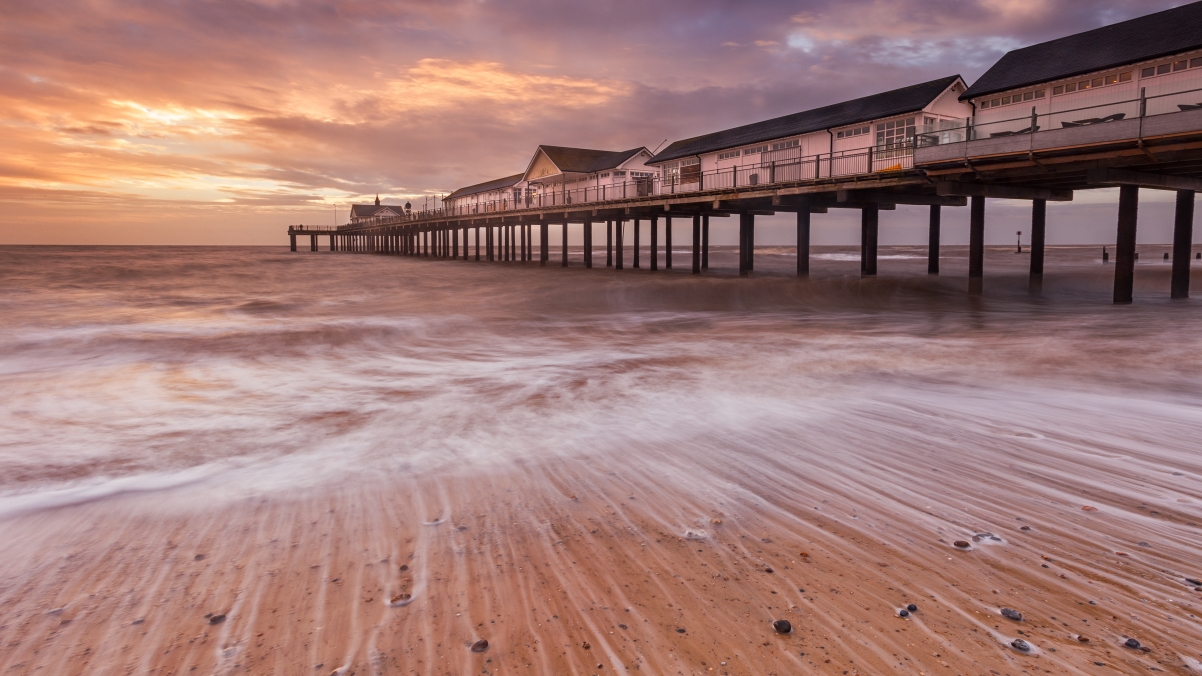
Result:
{"points": [[646, 488]]}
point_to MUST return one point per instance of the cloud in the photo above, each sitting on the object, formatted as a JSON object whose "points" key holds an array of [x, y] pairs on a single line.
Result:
{"points": [[281, 106]]}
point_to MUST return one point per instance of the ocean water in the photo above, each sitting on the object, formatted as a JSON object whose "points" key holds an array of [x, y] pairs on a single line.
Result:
{"points": [[257, 369]]}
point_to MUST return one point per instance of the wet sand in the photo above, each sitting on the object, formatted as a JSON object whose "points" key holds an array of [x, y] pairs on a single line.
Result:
{"points": [[642, 498]]}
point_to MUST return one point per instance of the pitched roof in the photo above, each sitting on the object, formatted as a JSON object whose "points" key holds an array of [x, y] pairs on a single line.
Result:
{"points": [[1147, 37], [369, 210], [487, 186], [904, 100], [585, 161]]}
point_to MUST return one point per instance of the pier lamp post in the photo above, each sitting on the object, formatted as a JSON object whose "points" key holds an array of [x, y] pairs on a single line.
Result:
{"points": [[1020, 242]]}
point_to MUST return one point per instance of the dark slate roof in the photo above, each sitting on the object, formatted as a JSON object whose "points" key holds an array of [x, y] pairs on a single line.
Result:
{"points": [[904, 100], [585, 161], [369, 210], [1147, 37], [486, 186]]}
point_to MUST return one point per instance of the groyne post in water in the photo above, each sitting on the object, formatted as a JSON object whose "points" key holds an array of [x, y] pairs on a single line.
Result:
{"points": [[976, 245], [1183, 237], [1124, 248], [1039, 221]]}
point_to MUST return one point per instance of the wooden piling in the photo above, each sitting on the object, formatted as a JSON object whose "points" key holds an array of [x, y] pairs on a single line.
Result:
{"points": [[588, 243], [745, 224], [1124, 250], [705, 242], [542, 244], [976, 245], [635, 254], [564, 248], [667, 242], [654, 243], [609, 243], [1183, 237], [936, 218], [1039, 221], [696, 244], [870, 217], [803, 242], [292, 241], [619, 253]]}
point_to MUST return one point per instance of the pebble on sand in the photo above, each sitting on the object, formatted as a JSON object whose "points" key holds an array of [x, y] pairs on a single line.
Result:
{"points": [[1196, 583], [1087, 508], [404, 567], [912, 608], [217, 619], [1012, 614], [962, 544], [768, 570], [401, 599], [680, 630], [1020, 644], [480, 646], [586, 645], [1131, 643], [903, 613], [782, 626]]}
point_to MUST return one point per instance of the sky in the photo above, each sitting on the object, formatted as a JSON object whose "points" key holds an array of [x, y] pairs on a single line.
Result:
{"points": [[223, 121]]}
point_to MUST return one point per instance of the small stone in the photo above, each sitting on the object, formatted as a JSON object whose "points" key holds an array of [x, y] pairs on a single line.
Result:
{"points": [[217, 619], [198, 557], [767, 570], [782, 626], [1131, 643], [715, 521], [401, 599], [1087, 508], [140, 620], [1143, 544], [1025, 528], [462, 528], [1012, 614], [903, 613], [404, 567], [679, 630], [621, 626], [962, 544], [586, 645], [1020, 644], [1082, 639], [1196, 583], [480, 646], [912, 608], [801, 590]]}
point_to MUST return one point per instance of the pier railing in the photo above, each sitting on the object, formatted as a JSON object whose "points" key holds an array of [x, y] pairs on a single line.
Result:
{"points": [[785, 166]]}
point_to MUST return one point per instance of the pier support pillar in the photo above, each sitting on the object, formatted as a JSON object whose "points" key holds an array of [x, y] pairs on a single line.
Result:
{"points": [[976, 246], [588, 244], [933, 239], [332, 245], [312, 242], [635, 255], [705, 242], [803, 243], [654, 243], [667, 242], [564, 248], [609, 244], [1183, 239], [292, 241], [454, 242], [1124, 250], [542, 244], [619, 254], [746, 243], [696, 244], [1039, 223], [870, 218]]}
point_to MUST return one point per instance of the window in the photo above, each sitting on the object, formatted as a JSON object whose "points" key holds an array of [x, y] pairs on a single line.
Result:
{"points": [[1194, 63], [1180, 65], [793, 143], [1104, 81], [858, 131], [895, 133], [619, 173], [605, 175], [728, 154], [1163, 68], [641, 174], [756, 150]]}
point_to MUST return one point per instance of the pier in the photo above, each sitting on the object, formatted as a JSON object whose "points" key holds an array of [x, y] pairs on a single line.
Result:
{"points": [[1129, 116]]}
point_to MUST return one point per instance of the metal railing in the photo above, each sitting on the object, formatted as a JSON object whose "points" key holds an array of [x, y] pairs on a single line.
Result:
{"points": [[780, 167], [1079, 116]]}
